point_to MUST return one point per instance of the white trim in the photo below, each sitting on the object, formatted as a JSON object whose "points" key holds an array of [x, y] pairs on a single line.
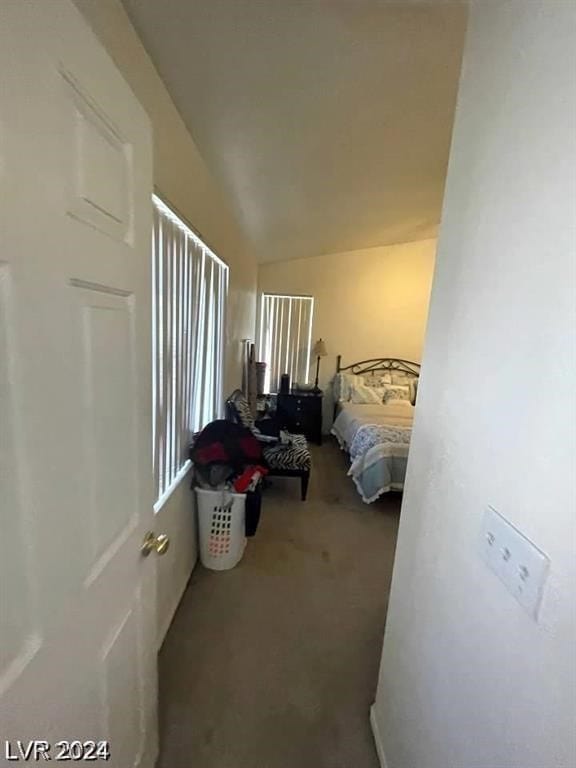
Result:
{"points": [[377, 737], [181, 474]]}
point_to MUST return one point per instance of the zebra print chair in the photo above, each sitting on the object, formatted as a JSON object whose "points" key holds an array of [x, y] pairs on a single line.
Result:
{"points": [[282, 459]]}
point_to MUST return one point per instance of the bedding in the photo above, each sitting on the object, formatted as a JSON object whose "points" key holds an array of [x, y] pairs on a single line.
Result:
{"points": [[377, 437], [343, 384], [400, 378], [377, 379], [397, 392], [374, 388], [363, 394]]}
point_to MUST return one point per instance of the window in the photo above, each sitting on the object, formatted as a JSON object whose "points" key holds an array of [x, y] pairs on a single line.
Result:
{"points": [[189, 289], [285, 337]]}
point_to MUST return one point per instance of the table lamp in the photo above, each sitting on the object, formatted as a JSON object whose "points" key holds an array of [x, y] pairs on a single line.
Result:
{"points": [[320, 351]]}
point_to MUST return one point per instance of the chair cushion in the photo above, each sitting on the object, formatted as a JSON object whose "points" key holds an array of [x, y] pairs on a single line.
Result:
{"points": [[295, 455], [292, 456]]}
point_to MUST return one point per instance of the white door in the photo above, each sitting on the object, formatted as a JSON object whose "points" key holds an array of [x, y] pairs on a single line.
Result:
{"points": [[77, 599]]}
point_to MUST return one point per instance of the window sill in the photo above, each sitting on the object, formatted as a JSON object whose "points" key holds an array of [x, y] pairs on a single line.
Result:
{"points": [[172, 487]]}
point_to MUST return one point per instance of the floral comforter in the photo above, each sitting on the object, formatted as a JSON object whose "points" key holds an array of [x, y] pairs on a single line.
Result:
{"points": [[370, 435], [377, 439]]}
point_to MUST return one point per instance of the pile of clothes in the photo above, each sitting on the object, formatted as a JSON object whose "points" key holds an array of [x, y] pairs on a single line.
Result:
{"points": [[227, 456]]}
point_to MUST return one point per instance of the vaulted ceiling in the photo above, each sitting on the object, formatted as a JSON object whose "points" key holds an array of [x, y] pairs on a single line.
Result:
{"points": [[327, 122]]}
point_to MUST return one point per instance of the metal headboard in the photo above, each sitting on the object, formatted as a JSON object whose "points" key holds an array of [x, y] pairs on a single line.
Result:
{"points": [[375, 365], [379, 364]]}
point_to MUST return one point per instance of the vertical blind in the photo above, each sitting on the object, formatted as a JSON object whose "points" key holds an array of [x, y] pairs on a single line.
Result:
{"points": [[189, 290], [285, 338]]}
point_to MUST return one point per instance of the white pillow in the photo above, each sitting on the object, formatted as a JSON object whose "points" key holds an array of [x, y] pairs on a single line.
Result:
{"points": [[377, 379], [400, 378], [364, 395], [397, 393], [343, 385], [406, 380]]}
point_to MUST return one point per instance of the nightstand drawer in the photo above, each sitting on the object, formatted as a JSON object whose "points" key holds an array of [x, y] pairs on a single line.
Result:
{"points": [[301, 414]]}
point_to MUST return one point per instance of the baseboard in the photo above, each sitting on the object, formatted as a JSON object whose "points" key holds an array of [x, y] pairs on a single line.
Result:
{"points": [[377, 738]]}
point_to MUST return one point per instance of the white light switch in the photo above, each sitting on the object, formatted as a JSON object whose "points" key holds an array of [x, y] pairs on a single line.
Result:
{"points": [[518, 563]]}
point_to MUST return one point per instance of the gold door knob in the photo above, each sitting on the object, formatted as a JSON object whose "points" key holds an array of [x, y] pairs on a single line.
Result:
{"points": [[158, 544]]}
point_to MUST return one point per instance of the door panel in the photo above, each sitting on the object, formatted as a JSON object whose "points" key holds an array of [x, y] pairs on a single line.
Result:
{"points": [[107, 337], [122, 687], [77, 623], [100, 181]]}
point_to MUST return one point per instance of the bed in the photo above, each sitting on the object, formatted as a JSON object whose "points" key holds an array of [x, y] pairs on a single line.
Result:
{"points": [[374, 409]]}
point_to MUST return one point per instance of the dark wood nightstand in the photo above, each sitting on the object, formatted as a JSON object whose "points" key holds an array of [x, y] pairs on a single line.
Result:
{"points": [[301, 413]]}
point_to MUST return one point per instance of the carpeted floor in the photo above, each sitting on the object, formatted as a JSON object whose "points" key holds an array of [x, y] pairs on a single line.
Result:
{"points": [[274, 663]]}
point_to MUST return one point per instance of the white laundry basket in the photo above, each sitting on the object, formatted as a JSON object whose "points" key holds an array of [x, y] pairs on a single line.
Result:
{"points": [[221, 526]]}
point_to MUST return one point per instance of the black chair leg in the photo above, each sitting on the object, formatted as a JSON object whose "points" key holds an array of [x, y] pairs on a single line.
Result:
{"points": [[305, 480]]}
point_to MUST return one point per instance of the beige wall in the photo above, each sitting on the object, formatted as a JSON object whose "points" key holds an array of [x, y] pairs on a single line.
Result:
{"points": [[368, 303], [468, 679], [182, 179]]}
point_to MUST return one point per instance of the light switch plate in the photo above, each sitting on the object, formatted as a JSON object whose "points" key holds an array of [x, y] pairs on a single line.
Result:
{"points": [[517, 562]]}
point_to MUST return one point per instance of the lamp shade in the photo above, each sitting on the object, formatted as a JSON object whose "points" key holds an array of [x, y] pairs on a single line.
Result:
{"points": [[320, 349]]}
